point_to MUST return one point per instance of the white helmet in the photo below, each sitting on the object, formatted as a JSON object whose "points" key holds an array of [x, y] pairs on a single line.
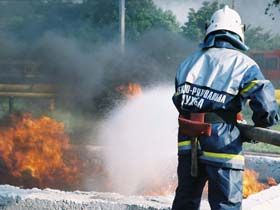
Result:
{"points": [[226, 19]]}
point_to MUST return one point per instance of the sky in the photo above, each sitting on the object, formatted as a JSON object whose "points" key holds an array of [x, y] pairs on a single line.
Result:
{"points": [[245, 8]]}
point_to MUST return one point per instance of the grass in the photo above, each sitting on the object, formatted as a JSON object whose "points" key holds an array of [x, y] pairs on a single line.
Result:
{"points": [[79, 123], [260, 147]]}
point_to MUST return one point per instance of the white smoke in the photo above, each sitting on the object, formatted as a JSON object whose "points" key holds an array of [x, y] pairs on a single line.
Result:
{"points": [[140, 140]]}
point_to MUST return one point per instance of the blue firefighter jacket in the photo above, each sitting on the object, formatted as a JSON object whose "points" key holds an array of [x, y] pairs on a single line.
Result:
{"points": [[219, 78]]}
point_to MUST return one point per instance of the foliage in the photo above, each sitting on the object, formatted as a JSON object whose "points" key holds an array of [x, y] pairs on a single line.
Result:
{"points": [[258, 39], [194, 29], [274, 3], [259, 147], [148, 17], [92, 20], [262, 147]]}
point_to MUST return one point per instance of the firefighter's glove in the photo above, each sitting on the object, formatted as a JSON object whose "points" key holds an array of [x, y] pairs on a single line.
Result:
{"points": [[240, 119]]}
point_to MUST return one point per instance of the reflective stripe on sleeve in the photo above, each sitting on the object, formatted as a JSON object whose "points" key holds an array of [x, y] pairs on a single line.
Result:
{"points": [[250, 86], [253, 85], [223, 157], [184, 145]]}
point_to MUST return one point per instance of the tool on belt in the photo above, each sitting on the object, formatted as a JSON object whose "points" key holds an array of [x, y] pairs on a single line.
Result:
{"points": [[194, 127]]}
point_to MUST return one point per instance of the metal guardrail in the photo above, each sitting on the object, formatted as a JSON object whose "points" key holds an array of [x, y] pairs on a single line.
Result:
{"points": [[12, 91], [28, 90]]}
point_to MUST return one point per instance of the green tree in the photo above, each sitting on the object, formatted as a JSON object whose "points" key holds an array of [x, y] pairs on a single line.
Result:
{"points": [[270, 6], [144, 15], [92, 20], [141, 16], [194, 29], [256, 37], [259, 39], [273, 3]]}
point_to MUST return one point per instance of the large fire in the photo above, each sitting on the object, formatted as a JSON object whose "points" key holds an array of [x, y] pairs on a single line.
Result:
{"points": [[36, 152]]}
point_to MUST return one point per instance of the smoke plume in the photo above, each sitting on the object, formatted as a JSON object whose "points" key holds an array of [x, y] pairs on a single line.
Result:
{"points": [[139, 139], [88, 76]]}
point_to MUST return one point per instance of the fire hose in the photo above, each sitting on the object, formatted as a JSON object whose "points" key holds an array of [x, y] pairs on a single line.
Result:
{"points": [[251, 132], [259, 134], [196, 127]]}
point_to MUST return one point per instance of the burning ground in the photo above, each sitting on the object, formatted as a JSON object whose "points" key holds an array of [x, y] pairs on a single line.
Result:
{"points": [[138, 151], [92, 80], [27, 199], [36, 151]]}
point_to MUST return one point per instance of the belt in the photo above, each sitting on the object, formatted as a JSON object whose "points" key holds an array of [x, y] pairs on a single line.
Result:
{"points": [[224, 117], [218, 117]]}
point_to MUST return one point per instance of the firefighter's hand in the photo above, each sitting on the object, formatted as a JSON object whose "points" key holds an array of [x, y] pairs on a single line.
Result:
{"points": [[253, 142], [240, 119], [245, 139]]}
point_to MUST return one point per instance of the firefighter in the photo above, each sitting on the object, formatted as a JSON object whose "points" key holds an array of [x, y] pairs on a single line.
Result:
{"points": [[212, 86]]}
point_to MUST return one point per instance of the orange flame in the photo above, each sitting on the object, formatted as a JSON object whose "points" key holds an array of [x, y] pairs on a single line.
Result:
{"points": [[37, 150], [130, 90], [162, 186], [159, 189], [271, 181], [251, 184]]}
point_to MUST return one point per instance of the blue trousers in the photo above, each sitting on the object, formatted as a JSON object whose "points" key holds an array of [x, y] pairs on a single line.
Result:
{"points": [[224, 186]]}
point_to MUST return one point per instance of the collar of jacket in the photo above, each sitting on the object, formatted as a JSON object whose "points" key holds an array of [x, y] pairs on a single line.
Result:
{"points": [[224, 40]]}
